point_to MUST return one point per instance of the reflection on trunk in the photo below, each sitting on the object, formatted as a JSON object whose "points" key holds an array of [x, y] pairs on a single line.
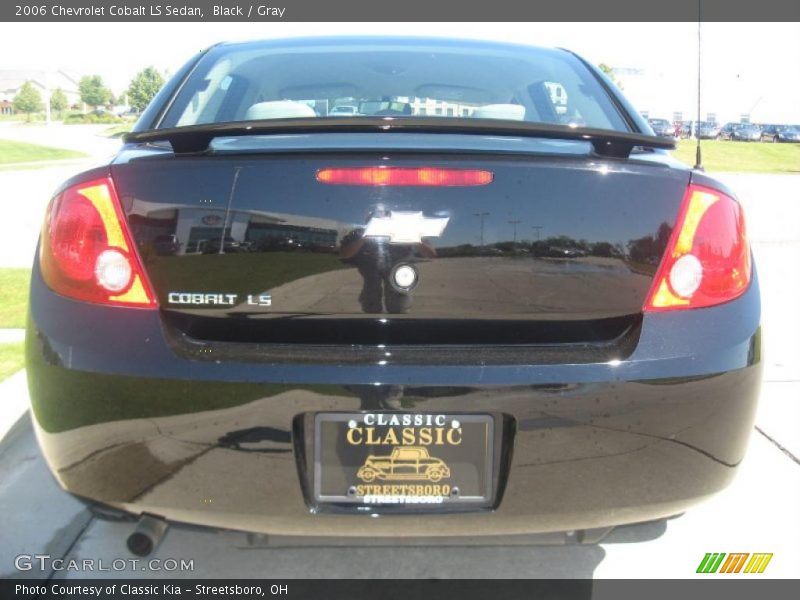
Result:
{"points": [[549, 239]]}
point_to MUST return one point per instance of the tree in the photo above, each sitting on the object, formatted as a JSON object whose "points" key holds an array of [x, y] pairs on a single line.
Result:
{"points": [[28, 99], [610, 74], [58, 101], [144, 87], [93, 91]]}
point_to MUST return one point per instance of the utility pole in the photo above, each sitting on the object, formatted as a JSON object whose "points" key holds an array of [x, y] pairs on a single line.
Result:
{"points": [[47, 94], [515, 223], [482, 216], [698, 155], [236, 172], [538, 229]]}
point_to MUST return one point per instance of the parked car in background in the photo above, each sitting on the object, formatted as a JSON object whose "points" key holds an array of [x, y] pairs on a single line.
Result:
{"points": [[780, 133], [385, 108], [662, 127], [166, 245], [230, 246], [726, 131], [707, 130], [343, 111], [556, 251], [747, 132], [684, 129], [769, 133], [790, 134]]}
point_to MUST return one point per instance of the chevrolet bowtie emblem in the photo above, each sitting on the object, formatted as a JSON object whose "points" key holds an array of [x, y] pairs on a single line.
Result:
{"points": [[406, 227]]}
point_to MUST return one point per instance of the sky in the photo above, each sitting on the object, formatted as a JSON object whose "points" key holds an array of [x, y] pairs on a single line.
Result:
{"points": [[747, 67]]}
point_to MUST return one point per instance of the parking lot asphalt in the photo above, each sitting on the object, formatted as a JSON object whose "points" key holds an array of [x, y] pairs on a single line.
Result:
{"points": [[759, 512]]}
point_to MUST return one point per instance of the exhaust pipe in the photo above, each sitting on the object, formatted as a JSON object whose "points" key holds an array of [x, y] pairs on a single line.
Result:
{"points": [[147, 536]]}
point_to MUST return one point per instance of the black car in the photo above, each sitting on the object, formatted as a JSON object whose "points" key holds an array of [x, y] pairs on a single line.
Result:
{"points": [[726, 131], [769, 133], [780, 133], [259, 390], [746, 132], [791, 134], [166, 245], [226, 246]]}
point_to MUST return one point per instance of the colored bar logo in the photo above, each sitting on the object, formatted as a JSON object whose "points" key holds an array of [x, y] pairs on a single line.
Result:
{"points": [[716, 562]]}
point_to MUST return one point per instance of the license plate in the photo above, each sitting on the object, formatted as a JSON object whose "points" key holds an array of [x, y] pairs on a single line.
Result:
{"points": [[403, 458]]}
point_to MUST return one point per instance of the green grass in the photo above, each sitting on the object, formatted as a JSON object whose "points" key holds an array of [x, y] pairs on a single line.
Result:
{"points": [[752, 157], [20, 152], [14, 285], [23, 118], [12, 358], [92, 119], [245, 273]]}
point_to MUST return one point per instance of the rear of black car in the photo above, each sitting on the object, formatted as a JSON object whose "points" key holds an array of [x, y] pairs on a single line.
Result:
{"points": [[462, 328]]}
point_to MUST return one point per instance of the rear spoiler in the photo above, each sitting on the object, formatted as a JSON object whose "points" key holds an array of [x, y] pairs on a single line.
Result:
{"points": [[195, 139]]}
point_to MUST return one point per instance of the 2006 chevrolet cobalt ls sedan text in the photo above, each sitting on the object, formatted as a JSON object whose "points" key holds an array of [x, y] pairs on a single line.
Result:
{"points": [[486, 297]]}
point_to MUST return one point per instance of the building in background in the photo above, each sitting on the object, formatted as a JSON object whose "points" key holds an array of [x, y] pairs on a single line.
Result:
{"points": [[189, 230]]}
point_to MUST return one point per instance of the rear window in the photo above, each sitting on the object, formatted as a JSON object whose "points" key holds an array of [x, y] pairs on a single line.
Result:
{"points": [[322, 79]]}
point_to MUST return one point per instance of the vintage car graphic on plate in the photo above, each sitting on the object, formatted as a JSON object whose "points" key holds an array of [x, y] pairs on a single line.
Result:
{"points": [[412, 462]]}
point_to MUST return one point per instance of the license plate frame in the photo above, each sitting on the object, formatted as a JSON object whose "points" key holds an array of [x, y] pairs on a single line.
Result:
{"points": [[467, 468]]}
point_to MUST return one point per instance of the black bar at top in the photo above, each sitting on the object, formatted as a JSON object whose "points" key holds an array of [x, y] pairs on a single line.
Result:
{"points": [[407, 10]]}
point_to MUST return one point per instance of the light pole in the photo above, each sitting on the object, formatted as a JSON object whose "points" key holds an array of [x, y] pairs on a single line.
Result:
{"points": [[236, 172], [538, 229], [47, 94], [515, 223], [482, 216]]}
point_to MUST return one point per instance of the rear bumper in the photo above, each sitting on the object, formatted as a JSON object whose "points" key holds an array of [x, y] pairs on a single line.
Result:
{"points": [[125, 421]]}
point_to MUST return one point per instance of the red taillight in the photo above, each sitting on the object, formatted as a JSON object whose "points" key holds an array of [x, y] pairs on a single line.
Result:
{"points": [[707, 260], [86, 251], [404, 176]]}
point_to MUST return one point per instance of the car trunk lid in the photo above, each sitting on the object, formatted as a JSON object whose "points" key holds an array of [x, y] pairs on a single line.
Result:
{"points": [[259, 247]]}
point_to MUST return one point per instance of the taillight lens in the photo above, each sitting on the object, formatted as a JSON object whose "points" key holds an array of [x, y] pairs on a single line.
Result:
{"points": [[87, 252], [707, 260], [404, 176]]}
